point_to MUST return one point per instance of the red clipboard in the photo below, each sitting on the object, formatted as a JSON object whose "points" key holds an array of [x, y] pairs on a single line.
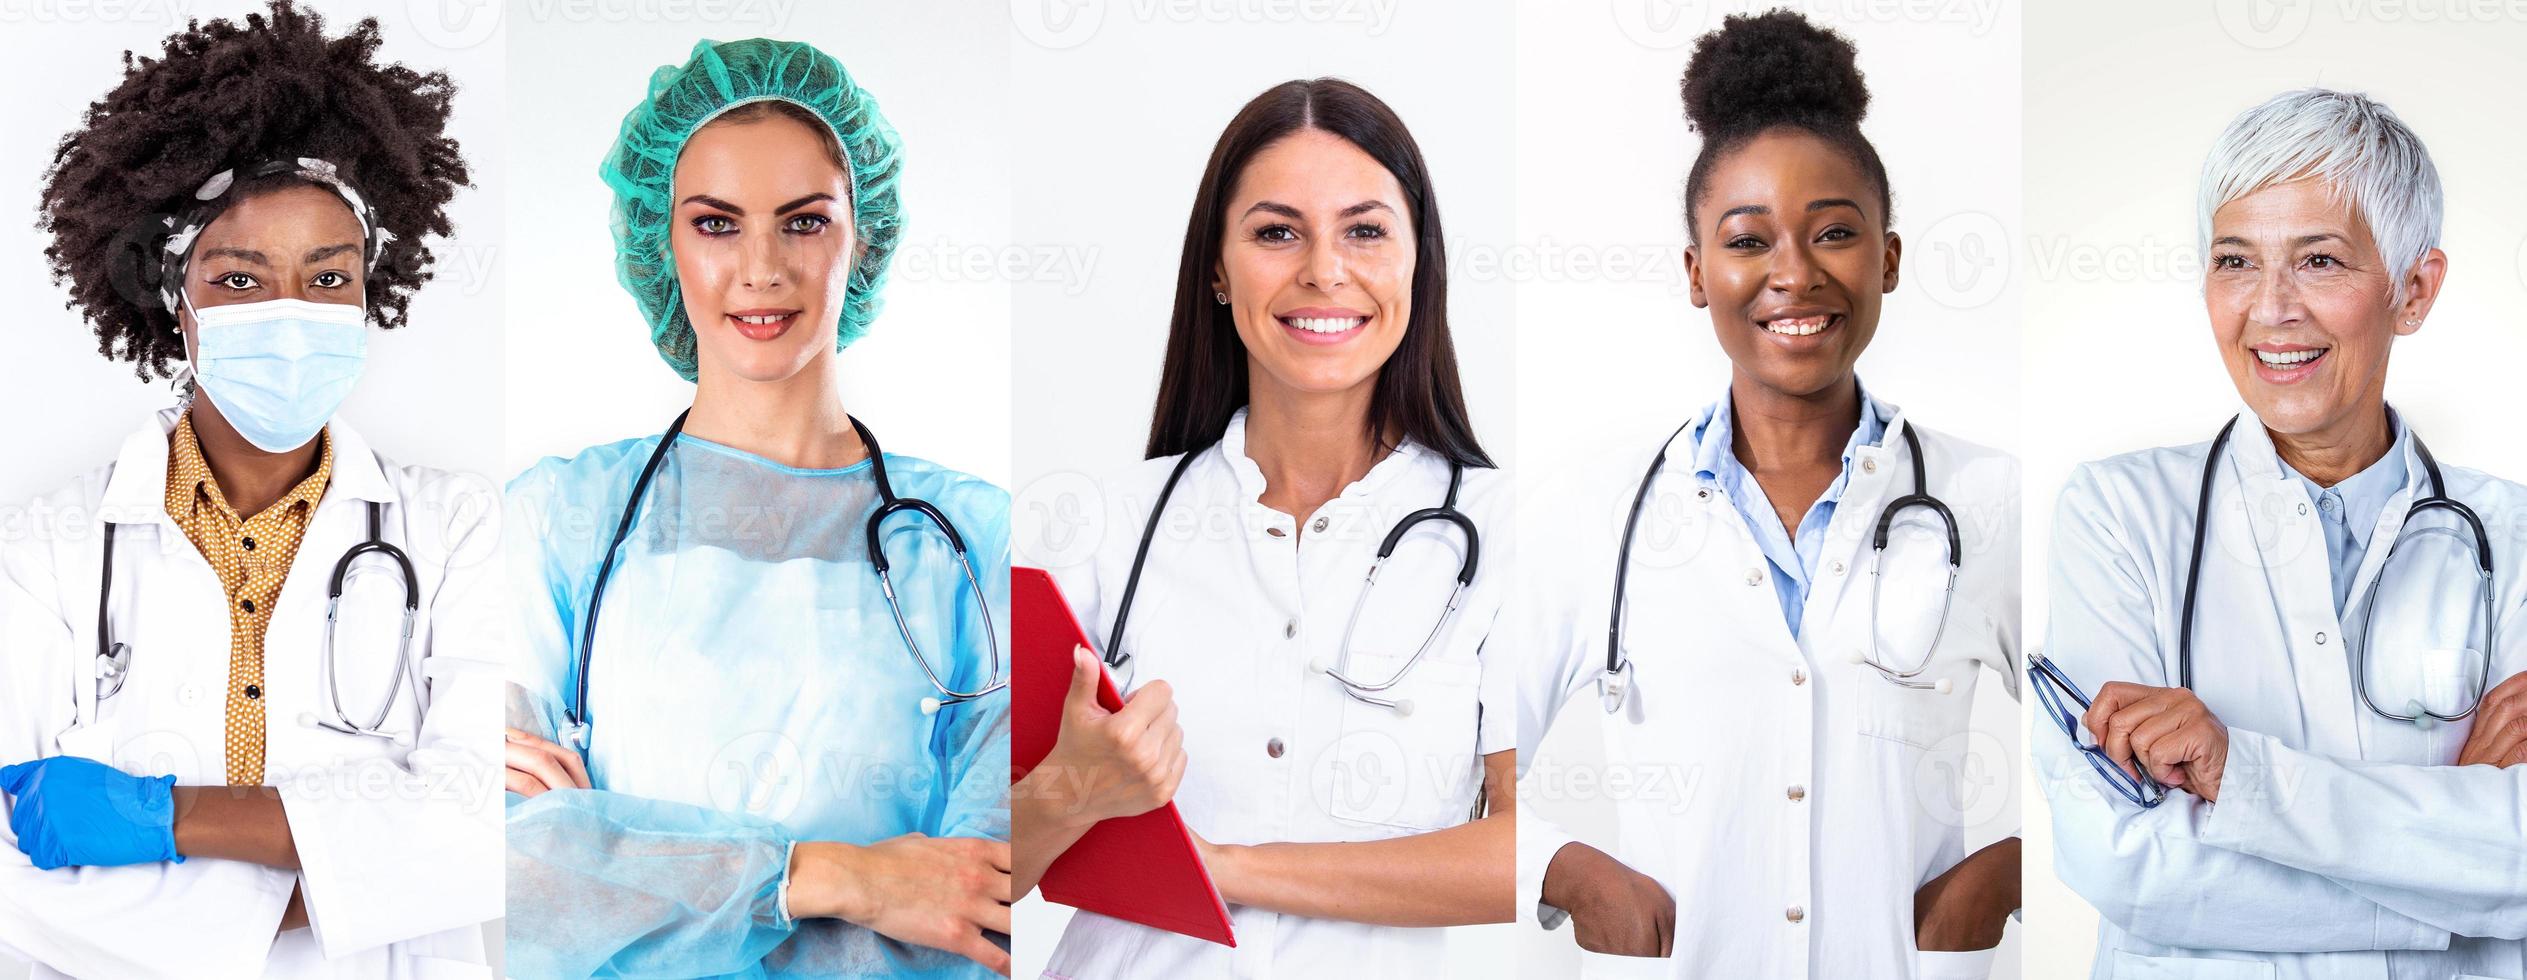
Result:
{"points": [[1141, 868]]}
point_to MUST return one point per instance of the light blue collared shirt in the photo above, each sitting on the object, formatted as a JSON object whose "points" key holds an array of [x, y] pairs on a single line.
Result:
{"points": [[1792, 559], [2350, 509]]}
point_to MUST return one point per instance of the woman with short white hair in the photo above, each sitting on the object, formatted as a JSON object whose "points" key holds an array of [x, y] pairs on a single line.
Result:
{"points": [[2301, 635]]}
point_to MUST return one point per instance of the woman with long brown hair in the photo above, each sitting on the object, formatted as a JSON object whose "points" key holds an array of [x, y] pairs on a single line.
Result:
{"points": [[1326, 741]]}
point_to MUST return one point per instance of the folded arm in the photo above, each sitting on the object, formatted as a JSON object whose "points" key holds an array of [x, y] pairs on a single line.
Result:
{"points": [[2154, 872]]}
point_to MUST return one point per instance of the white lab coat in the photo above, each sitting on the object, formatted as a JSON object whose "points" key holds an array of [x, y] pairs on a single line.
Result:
{"points": [[1238, 602], [2344, 844], [1789, 799], [399, 846]]}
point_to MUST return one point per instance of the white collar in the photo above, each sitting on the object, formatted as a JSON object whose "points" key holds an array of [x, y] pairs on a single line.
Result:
{"points": [[136, 492]]}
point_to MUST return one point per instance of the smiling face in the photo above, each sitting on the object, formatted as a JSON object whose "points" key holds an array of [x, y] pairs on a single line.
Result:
{"points": [[1792, 259], [1316, 257], [2303, 306], [763, 245]]}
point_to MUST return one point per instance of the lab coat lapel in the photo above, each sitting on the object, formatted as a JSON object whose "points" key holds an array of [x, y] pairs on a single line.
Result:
{"points": [[2372, 729], [1727, 562], [2288, 539], [156, 568], [1874, 476]]}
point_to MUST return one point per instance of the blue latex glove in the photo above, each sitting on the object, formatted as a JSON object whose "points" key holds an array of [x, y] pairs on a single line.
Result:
{"points": [[74, 811]]}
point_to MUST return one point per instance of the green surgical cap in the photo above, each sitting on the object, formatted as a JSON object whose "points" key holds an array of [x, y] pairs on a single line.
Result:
{"points": [[719, 77]]}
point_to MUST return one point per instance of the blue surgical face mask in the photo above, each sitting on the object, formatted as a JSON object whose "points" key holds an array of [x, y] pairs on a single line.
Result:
{"points": [[279, 369]]}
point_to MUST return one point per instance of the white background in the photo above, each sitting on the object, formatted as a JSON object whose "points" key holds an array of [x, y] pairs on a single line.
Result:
{"points": [[1116, 109], [2117, 340], [931, 378], [75, 407]]}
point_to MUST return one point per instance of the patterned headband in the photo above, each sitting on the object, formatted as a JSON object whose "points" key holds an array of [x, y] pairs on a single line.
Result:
{"points": [[182, 231]]}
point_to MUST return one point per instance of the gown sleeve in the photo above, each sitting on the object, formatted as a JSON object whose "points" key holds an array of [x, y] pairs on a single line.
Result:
{"points": [[608, 883]]}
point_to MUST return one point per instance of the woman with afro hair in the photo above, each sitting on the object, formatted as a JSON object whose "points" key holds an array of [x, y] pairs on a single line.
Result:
{"points": [[1800, 617], [249, 668]]}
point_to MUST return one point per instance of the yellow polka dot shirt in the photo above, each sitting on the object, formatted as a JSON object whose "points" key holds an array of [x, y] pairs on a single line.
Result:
{"points": [[252, 556]]}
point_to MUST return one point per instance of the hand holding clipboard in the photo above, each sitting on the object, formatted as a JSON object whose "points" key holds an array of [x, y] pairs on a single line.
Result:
{"points": [[1142, 868]]}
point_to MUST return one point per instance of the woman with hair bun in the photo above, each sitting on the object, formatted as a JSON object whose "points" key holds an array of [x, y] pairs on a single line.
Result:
{"points": [[1798, 605]]}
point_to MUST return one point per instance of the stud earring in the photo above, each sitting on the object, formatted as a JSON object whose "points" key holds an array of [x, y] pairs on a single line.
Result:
{"points": [[1223, 297]]}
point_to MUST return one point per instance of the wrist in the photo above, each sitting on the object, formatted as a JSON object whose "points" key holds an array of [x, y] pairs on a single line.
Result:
{"points": [[1571, 876], [1039, 803], [821, 884], [1226, 863]]}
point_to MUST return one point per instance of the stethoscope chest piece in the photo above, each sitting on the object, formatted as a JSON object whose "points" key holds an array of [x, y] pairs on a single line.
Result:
{"points": [[1614, 685], [112, 667]]}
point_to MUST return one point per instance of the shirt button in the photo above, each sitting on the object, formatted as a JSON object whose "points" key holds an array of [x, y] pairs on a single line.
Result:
{"points": [[1273, 748], [1754, 576], [248, 543], [1795, 914], [1318, 527], [254, 692], [1290, 630], [2320, 639], [1798, 677], [1798, 793], [248, 603], [1274, 531]]}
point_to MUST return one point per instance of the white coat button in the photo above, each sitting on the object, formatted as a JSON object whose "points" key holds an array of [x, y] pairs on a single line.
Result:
{"points": [[1798, 793], [2320, 639], [187, 694], [1754, 576], [1837, 566], [1273, 748], [1798, 677], [2303, 508], [1702, 494], [1318, 527], [1795, 914], [1290, 630], [1274, 531], [1868, 466]]}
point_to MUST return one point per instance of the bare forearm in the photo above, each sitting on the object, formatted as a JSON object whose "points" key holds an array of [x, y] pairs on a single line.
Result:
{"points": [[1043, 827], [240, 823], [1458, 876]]}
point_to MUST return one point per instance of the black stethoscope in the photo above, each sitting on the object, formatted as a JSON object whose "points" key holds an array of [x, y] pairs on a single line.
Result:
{"points": [[1365, 692], [576, 731], [114, 659], [1616, 682], [2437, 500]]}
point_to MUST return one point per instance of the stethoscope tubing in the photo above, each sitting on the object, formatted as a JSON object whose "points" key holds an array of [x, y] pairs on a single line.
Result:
{"points": [[2437, 499], [112, 659], [577, 723], [1119, 660]]}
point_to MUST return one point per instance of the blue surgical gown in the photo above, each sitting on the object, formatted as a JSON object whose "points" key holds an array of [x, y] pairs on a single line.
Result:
{"points": [[749, 689]]}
